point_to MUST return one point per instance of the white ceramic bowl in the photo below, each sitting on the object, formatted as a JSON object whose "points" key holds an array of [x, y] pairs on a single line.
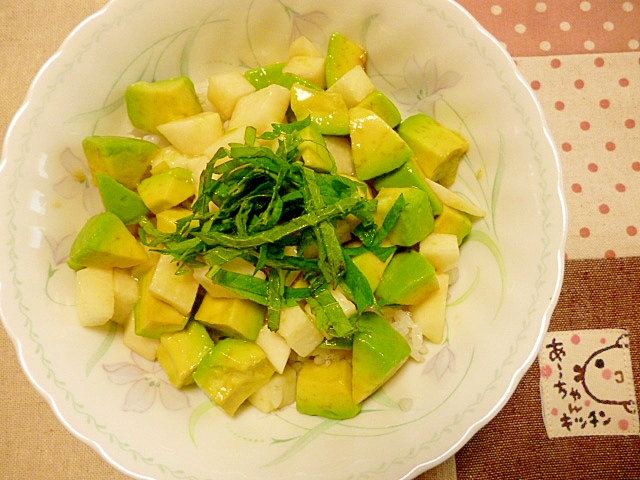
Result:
{"points": [[429, 56]]}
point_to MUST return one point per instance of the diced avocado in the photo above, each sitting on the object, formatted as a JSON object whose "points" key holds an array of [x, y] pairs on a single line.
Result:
{"points": [[407, 280], [382, 106], [181, 352], [377, 148], [167, 189], [150, 104], [371, 267], [409, 175], [342, 55], [120, 200], [378, 352], [327, 110], [415, 221], [232, 371], [234, 317], [154, 317], [262, 77], [166, 220], [325, 390], [438, 150], [453, 221], [104, 241], [314, 150], [125, 159]]}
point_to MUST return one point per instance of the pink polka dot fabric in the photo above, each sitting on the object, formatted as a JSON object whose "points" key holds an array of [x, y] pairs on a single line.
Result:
{"points": [[582, 60], [530, 27]]}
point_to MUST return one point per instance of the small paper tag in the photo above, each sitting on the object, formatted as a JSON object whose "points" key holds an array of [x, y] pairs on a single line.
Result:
{"points": [[586, 384]]}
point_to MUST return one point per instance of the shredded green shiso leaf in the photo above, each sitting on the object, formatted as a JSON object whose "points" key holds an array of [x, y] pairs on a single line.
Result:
{"points": [[254, 202]]}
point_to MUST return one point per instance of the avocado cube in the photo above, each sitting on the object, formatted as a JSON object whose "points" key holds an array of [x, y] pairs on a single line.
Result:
{"points": [[327, 110], [342, 55], [232, 371], [233, 317], [167, 189], [454, 222], [415, 221], [120, 200], [382, 106], [152, 316], [438, 150], [262, 77], [378, 352], [377, 148], [371, 267], [150, 104], [125, 159], [325, 390], [407, 280], [409, 175], [314, 151], [181, 352], [104, 241], [167, 220]]}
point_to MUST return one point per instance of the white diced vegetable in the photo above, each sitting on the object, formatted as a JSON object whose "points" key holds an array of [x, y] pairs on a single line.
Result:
{"points": [[279, 392], [354, 86], [225, 89], [340, 149], [442, 251], [307, 67], [275, 346], [302, 46], [125, 289], [454, 200], [194, 134], [299, 330], [348, 307], [179, 291], [94, 296], [261, 108]]}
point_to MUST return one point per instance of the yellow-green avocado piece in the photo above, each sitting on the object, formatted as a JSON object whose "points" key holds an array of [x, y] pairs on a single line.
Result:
{"points": [[376, 147], [167, 189], [154, 317], [105, 242], [407, 280], [125, 159], [342, 55], [415, 221], [453, 221], [328, 110], [120, 200], [181, 352], [233, 317], [150, 104], [380, 104], [409, 175], [438, 150], [232, 371], [325, 390], [378, 352]]}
